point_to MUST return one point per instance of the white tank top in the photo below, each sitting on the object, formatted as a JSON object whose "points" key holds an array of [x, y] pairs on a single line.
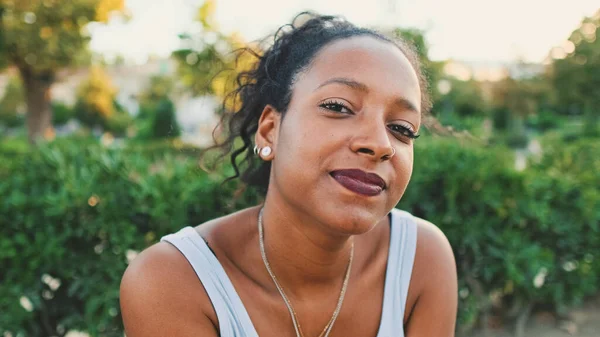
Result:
{"points": [[234, 320]]}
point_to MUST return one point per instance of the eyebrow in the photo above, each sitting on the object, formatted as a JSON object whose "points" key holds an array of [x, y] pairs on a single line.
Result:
{"points": [[405, 104], [401, 102], [345, 81]]}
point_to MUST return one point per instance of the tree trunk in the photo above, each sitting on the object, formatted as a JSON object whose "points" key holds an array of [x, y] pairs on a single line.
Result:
{"points": [[39, 112]]}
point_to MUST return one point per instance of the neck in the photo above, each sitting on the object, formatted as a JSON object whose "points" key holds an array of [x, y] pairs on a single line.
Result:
{"points": [[305, 256]]}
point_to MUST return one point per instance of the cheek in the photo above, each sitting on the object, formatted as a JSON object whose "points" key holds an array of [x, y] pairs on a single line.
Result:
{"points": [[305, 139], [298, 148], [403, 166]]}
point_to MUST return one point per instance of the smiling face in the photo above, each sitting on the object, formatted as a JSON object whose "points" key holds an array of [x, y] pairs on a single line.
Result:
{"points": [[343, 152]]}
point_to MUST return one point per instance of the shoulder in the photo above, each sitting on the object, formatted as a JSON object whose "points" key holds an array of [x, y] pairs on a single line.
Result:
{"points": [[161, 296], [434, 286], [433, 245], [434, 259]]}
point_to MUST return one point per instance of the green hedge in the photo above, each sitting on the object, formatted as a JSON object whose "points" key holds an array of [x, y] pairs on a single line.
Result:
{"points": [[520, 238], [73, 211]]}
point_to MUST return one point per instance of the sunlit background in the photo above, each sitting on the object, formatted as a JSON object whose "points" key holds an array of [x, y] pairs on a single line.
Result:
{"points": [[106, 105], [468, 30]]}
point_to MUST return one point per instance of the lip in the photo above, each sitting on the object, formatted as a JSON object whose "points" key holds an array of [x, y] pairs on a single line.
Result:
{"points": [[359, 181]]}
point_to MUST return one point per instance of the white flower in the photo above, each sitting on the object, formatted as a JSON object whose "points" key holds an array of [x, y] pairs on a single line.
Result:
{"points": [[26, 304], [131, 255], [540, 278], [52, 282], [569, 266]]}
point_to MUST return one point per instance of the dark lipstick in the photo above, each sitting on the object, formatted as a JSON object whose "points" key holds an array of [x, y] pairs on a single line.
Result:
{"points": [[359, 181]]}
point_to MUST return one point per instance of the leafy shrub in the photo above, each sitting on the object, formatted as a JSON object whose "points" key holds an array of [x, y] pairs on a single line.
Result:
{"points": [[61, 113], [501, 117], [157, 118], [96, 104], [119, 123], [544, 120], [69, 217], [164, 124], [520, 238], [71, 213], [516, 139]]}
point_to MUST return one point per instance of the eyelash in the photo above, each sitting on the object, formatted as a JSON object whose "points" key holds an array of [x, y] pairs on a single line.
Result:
{"points": [[405, 131], [396, 128], [327, 105]]}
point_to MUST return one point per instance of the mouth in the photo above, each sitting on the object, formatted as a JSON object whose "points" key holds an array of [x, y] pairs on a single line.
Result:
{"points": [[359, 181]]}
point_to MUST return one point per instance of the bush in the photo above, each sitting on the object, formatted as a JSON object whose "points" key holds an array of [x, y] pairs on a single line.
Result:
{"points": [[520, 238], [158, 120], [95, 99], [61, 113], [164, 124], [71, 214], [501, 117], [96, 104], [544, 121], [514, 138], [119, 123]]}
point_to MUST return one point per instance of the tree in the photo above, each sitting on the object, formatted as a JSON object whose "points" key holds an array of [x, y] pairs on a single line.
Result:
{"points": [[164, 123], [95, 99], [464, 98], [157, 117], [40, 37], [519, 97], [12, 103], [96, 104], [576, 76], [433, 70], [210, 61], [160, 87]]}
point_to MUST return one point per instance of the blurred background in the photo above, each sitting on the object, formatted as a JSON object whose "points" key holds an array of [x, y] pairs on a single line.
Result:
{"points": [[105, 106]]}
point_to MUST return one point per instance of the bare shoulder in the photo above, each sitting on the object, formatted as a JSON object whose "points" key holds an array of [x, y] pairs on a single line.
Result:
{"points": [[432, 245], [434, 285], [161, 295]]}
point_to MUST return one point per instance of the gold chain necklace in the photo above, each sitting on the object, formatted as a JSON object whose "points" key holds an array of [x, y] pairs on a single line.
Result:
{"points": [[288, 304]]}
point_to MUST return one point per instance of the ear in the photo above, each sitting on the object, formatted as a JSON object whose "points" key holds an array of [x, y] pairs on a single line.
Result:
{"points": [[268, 130]]}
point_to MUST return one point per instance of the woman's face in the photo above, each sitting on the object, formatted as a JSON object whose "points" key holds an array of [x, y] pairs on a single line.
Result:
{"points": [[357, 103]]}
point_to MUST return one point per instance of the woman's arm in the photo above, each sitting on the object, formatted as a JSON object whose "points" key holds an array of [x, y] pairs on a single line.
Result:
{"points": [[434, 273], [161, 296]]}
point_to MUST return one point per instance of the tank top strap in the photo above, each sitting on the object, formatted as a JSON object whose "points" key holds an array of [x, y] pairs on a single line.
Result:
{"points": [[233, 318], [403, 245]]}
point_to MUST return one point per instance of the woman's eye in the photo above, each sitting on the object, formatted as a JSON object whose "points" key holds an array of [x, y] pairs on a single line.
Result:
{"points": [[403, 130], [336, 106]]}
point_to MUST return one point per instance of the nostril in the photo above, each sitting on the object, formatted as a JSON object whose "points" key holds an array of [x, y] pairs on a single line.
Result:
{"points": [[367, 151]]}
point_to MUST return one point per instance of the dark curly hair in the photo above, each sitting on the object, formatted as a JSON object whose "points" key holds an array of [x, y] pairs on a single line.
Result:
{"points": [[271, 80]]}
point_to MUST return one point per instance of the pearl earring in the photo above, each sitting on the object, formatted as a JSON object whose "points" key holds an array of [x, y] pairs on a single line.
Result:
{"points": [[265, 151]]}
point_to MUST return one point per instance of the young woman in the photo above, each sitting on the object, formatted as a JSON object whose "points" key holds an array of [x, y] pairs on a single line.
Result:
{"points": [[328, 121]]}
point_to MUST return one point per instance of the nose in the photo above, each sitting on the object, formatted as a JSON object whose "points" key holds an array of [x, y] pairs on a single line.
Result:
{"points": [[372, 140]]}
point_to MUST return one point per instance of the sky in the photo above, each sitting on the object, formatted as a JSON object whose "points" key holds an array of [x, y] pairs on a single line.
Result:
{"points": [[468, 30]]}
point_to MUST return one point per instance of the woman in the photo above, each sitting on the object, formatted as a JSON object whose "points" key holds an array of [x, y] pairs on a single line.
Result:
{"points": [[334, 111]]}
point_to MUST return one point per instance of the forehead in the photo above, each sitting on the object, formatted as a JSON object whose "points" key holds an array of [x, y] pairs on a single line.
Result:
{"points": [[378, 64]]}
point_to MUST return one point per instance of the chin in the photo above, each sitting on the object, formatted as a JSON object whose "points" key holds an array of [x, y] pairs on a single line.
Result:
{"points": [[350, 214], [352, 219]]}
